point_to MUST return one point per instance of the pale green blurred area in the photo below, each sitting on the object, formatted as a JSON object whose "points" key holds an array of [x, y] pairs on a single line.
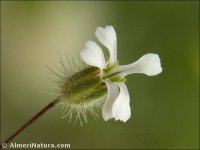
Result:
{"points": [[165, 108]]}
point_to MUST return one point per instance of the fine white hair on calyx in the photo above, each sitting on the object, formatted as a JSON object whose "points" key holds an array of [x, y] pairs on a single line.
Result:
{"points": [[67, 67], [79, 112]]}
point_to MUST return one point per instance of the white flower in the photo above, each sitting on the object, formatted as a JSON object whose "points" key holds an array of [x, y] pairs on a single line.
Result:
{"points": [[117, 104]]}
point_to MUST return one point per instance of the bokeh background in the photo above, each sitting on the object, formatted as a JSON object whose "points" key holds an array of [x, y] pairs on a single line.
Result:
{"points": [[165, 108]]}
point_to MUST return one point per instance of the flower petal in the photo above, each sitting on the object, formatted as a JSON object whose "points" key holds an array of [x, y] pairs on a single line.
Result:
{"points": [[148, 64], [113, 92], [121, 107], [107, 37], [93, 55]]}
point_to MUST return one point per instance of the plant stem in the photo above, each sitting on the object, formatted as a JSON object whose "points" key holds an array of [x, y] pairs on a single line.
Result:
{"points": [[29, 122]]}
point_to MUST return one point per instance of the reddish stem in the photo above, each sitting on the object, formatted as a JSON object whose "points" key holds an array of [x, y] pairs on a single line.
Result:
{"points": [[29, 122]]}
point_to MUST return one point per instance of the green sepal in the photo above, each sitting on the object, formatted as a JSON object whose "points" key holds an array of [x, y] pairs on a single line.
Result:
{"points": [[84, 86], [110, 68], [118, 79]]}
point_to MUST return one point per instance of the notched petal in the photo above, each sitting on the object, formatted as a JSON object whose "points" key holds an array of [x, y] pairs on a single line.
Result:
{"points": [[107, 37], [121, 108], [113, 92], [93, 55], [148, 64]]}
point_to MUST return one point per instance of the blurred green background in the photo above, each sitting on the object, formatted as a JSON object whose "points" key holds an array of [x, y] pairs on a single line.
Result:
{"points": [[165, 108]]}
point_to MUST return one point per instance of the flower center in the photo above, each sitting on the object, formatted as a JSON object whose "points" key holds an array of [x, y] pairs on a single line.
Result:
{"points": [[111, 75]]}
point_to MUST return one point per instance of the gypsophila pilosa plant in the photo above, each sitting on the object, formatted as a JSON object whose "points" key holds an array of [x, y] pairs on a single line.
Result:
{"points": [[99, 85]]}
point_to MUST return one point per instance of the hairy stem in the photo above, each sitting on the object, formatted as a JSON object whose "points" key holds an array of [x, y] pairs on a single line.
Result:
{"points": [[29, 122]]}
